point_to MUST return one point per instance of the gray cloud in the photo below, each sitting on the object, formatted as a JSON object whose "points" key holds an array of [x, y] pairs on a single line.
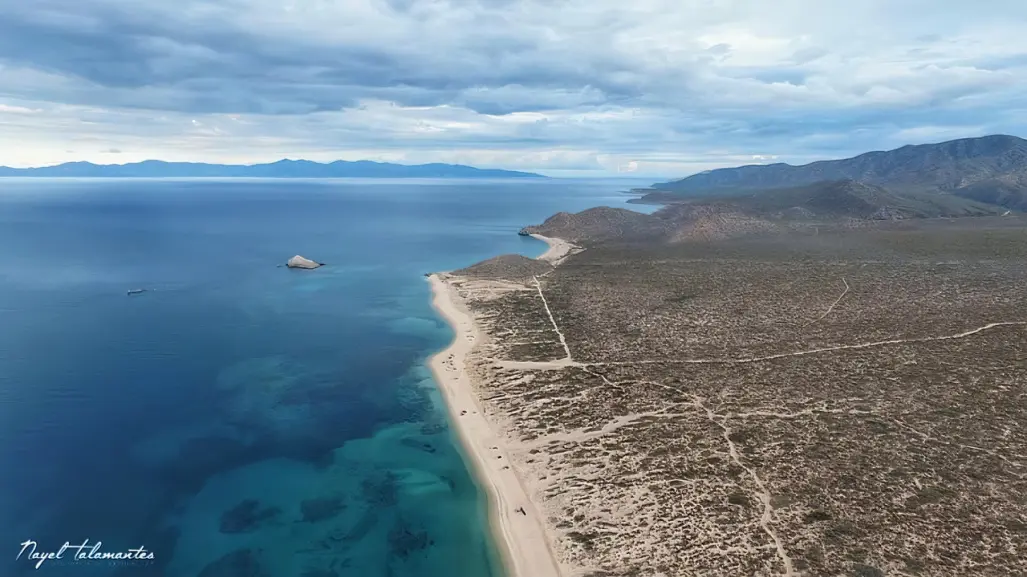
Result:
{"points": [[214, 65], [671, 84]]}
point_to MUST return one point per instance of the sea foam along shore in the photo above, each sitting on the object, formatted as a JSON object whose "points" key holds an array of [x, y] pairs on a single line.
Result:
{"points": [[521, 536]]}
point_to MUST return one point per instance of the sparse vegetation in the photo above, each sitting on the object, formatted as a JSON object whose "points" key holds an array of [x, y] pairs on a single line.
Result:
{"points": [[507, 266], [845, 403]]}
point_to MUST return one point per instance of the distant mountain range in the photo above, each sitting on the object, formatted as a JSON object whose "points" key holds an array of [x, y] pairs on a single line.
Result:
{"points": [[833, 199], [971, 177], [958, 177], [280, 169]]}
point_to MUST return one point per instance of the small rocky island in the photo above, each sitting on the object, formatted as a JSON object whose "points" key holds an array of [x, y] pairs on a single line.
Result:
{"points": [[302, 262]]}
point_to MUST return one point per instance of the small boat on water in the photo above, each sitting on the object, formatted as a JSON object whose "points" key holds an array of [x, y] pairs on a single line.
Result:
{"points": [[135, 291]]}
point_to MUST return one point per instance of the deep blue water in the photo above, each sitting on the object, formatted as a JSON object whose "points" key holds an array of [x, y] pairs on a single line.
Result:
{"points": [[240, 418]]}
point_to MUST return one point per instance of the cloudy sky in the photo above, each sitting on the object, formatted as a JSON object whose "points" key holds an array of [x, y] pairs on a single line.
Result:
{"points": [[563, 87]]}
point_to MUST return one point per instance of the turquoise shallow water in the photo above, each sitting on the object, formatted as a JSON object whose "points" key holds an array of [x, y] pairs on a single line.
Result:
{"points": [[239, 418]]}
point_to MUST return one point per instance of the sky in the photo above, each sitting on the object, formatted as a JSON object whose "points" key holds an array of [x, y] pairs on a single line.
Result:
{"points": [[660, 88]]}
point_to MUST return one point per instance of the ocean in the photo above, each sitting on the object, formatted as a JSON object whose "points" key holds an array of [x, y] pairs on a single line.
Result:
{"points": [[239, 418]]}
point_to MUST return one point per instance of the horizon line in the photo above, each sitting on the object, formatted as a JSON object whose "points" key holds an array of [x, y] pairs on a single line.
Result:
{"points": [[284, 159]]}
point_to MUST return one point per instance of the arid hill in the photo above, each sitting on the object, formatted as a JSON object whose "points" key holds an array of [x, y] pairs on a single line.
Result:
{"points": [[674, 223], [603, 224], [990, 169], [800, 210], [837, 199], [506, 266]]}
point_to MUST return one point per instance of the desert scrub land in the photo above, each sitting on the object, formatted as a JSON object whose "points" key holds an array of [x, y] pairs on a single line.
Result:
{"points": [[845, 403]]}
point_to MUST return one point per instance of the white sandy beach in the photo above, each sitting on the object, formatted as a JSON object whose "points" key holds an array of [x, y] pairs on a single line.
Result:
{"points": [[520, 536], [558, 249]]}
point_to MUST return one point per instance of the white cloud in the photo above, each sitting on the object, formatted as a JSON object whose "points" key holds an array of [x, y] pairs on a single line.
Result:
{"points": [[649, 86], [11, 109]]}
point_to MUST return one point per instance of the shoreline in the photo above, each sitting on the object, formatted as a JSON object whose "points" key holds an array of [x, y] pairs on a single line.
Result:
{"points": [[520, 538], [558, 250]]}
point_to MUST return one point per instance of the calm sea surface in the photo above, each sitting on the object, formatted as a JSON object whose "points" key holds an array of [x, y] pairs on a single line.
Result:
{"points": [[239, 418]]}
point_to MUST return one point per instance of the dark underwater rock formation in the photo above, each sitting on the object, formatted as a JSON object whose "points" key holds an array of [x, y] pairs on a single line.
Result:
{"points": [[247, 516], [319, 573], [405, 540], [381, 490], [321, 508], [241, 563], [419, 445]]}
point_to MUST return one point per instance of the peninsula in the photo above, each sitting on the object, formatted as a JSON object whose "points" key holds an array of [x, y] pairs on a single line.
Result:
{"points": [[800, 386]]}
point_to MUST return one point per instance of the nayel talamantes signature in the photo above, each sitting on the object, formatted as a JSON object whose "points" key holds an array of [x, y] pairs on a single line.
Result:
{"points": [[84, 552]]}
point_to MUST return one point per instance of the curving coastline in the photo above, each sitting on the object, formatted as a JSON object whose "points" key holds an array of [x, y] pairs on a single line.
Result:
{"points": [[557, 251], [520, 536]]}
